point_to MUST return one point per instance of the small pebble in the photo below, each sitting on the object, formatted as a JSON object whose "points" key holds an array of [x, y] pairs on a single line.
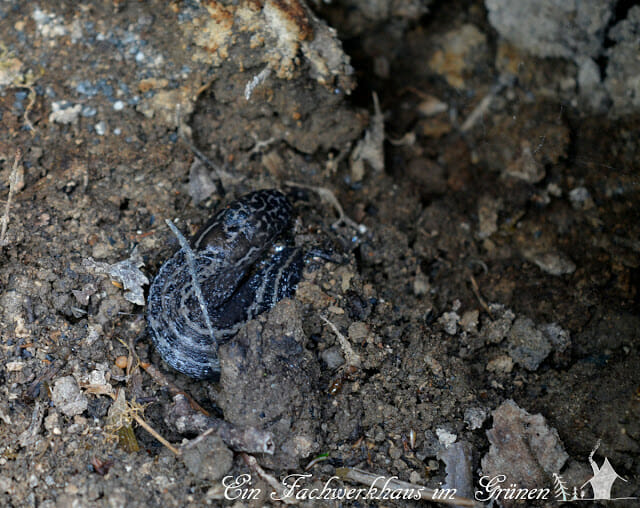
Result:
{"points": [[67, 396], [449, 321], [445, 437], [503, 364], [121, 362], [474, 417], [101, 128], [88, 111], [14, 366], [580, 198]]}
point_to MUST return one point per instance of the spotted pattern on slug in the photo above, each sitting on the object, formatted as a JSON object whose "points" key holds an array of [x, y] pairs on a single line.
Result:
{"points": [[238, 282]]}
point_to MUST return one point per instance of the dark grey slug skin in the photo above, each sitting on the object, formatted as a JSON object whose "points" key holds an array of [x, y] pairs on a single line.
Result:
{"points": [[237, 279]]}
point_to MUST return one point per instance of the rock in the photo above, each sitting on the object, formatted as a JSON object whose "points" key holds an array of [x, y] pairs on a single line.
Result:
{"points": [[496, 330], [280, 72], [52, 423], [553, 263], [528, 346], [6, 484], [64, 113], [488, 209], [553, 28], [449, 322], [469, 321], [525, 167], [523, 448], [10, 71], [503, 364], [421, 284], [557, 336], [208, 459], [623, 67], [458, 459], [358, 331], [580, 198], [332, 357], [445, 437], [459, 52], [201, 183], [431, 106], [268, 381], [591, 88], [475, 417], [588, 75], [68, 397]]}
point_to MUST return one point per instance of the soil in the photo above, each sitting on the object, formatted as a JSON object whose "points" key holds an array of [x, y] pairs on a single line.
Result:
{"points": [[526, 218]]}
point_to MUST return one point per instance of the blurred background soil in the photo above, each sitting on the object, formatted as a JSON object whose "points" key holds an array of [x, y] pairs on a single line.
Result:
{"points": [[486, 157]]}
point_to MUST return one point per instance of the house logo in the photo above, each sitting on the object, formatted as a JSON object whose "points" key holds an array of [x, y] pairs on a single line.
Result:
{"points": [[601, 483], [603, 477]]}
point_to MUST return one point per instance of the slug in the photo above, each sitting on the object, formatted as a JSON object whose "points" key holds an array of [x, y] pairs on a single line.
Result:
{"points": [[236, 275]]}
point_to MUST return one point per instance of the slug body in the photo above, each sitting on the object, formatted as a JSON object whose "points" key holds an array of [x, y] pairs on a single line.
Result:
{"points": [[237, 279]]}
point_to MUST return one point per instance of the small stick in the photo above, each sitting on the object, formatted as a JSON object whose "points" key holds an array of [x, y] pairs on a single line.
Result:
{"points": [[258, 79], [191, 262], [184, 419], [331, 165], [253, 465], [32, 101], [328, 196], [351, 356], [260, 145], [198, 153], [152, 431], [392, 483], [482, 107], [162, 380], [13, 177], [239, 439], [476, 291]]}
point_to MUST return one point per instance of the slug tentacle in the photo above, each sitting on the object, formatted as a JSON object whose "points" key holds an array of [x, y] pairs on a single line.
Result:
{"points": [[236, 279]]}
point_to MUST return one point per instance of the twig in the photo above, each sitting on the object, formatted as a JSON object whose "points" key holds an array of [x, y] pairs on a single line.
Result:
{"points": [[371, 147], [184, 419], [140, 421], [253, 465], [32, 101], [198, 153], [191, 263], [329, 197], [392, 483], [351, 357], [30, 435], [319, 458], [258, 79], [261, 144], [476, 291], [162, 380], [332, 163], [482, 107], [13, 181], [239, 439], [187, 417]]}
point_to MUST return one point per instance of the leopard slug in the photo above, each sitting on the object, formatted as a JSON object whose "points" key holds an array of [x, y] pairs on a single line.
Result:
{"points": [[238, 277]]}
